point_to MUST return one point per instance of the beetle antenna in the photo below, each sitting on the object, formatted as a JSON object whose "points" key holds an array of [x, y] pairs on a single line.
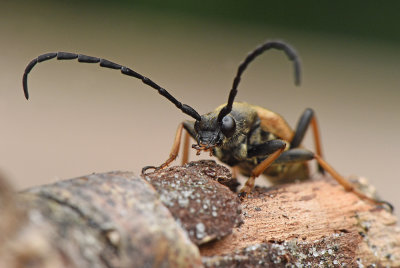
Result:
{"points": [[107, 64], [291, 54]]}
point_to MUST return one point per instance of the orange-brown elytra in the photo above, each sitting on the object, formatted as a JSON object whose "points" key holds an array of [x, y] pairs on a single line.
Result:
{"points": [[249, 138]]}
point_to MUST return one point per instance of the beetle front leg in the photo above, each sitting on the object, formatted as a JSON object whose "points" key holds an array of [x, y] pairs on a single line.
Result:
{"points": [[185, 153], [174, 151], [278, 146]]}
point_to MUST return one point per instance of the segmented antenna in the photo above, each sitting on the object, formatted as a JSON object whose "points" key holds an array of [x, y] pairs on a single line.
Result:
{"points": [[289, 51], [107, 64]]}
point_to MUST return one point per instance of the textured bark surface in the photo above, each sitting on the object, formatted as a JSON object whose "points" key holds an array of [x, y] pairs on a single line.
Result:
{"points": [[100, 220], [119, 220], [205, 208]]}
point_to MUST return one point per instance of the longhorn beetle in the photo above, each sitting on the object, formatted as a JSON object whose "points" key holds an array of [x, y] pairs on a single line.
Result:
{"points": [[249, 137]]}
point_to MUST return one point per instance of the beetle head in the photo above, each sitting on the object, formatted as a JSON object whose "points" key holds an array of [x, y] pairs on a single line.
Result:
{"points": [[210, 132]]}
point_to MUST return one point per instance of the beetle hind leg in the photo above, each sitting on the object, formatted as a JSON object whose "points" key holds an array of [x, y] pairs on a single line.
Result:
{"points": [[306, 119], [348, 186], [299, 155], [302, 155]]}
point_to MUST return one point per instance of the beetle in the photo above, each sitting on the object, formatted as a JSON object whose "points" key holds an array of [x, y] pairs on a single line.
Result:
{"points": [[253, 139]]}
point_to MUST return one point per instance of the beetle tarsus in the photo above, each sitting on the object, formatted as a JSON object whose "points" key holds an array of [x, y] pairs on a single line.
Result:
{"points": [[387, 206], [242, 195], [144, 169]]}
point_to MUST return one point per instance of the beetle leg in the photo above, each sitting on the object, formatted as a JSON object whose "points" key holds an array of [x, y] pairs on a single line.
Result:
{"points": [[174, 151], [307, 118], [279, 146], [347, 185], [301, 155], [185, 153], [294, 156], [234, 171]]}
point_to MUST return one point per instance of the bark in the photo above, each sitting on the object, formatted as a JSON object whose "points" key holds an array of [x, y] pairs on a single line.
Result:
{"points": [[101, 220], [117, 219], [314, 224]]}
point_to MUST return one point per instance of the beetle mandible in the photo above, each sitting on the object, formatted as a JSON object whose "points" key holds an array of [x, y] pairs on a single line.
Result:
{"points": [[249, 137]]}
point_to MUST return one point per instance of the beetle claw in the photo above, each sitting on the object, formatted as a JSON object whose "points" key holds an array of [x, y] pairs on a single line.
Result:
{"points": [[149, 167], [242, 195]]}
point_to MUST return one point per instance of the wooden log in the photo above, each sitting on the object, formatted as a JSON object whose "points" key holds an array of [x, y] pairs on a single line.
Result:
{"points": [[117, 220]]}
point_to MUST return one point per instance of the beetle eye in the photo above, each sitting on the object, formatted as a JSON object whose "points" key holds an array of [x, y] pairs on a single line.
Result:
{"points": [[228, 126]]}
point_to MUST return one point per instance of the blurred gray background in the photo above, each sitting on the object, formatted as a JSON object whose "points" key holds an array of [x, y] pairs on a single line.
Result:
{"points": [[82, 118]]}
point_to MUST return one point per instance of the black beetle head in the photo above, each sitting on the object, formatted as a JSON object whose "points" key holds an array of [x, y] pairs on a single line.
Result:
{"points": [[211, 132]]}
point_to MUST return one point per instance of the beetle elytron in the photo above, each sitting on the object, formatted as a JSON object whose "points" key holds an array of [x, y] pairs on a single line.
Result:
{"points": [[254, 139]]}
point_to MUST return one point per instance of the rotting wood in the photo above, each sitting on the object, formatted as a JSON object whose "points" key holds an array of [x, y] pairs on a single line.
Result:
{"points": [[311, 223]]}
